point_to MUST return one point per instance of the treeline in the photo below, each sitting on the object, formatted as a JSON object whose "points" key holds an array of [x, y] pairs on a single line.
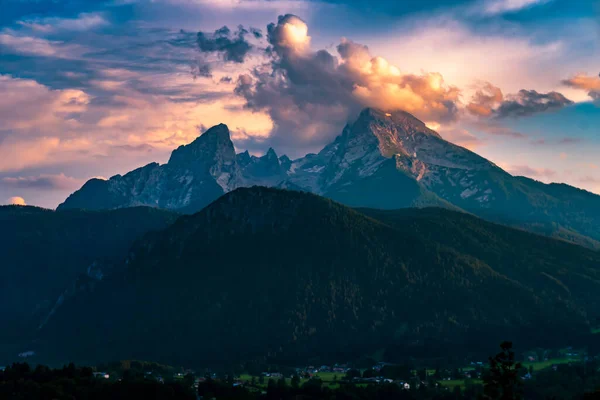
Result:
{"points": [[503, 379], [21, 382], [315, 389]]}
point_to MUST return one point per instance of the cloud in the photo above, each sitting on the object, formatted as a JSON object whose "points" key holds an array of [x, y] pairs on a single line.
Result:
{"points": [[485, 100], [142, 147], [524, 170], [591, 84], [529, 102], [309, 94], [257, 33], [232, 46], [589, 179], [494, 128], [493, 7], [44, 181], [488, 101], [17, 201], [201, 69], [131, 119], [570, 140], [461, 137], [289, 35], [98, 86], [19, 154], [30, 45], [83, 22]]}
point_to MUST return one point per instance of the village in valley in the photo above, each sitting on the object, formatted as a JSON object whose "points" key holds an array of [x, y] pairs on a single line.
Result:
{"points": [[332, 376]]}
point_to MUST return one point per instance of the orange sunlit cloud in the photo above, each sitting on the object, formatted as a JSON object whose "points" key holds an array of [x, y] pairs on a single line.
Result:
{"points": [[17, 201]]}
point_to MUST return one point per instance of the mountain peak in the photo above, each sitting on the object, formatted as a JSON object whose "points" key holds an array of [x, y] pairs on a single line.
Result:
{"points": [[395, 132], [214, 141], [271, 154], [401, 119], [219, 129]]}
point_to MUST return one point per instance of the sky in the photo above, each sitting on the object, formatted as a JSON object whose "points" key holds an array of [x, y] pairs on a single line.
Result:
{"points": [[94, 88]]}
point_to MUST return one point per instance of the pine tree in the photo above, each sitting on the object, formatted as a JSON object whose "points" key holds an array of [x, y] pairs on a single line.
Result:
{"points": [[295, 382], [503, 380]]}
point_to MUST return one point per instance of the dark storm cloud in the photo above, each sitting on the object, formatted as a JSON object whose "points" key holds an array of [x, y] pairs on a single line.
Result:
{"points": [[232, 46]]}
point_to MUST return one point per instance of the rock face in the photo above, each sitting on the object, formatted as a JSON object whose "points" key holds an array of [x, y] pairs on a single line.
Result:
{"points": [[195, 175], [262, 171], [382, 160]]}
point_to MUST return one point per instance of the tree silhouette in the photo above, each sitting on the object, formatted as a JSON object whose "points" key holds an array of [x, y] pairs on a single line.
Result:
{"points": [[295, 382], [502, 381]]}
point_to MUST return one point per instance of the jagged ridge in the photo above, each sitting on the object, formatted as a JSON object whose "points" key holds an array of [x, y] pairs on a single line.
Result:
{"points": [[381, 160]]}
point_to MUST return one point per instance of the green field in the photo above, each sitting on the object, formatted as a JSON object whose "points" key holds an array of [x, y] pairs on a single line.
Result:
{"points": [[547, 364], [596, 331], [462, 383], [331, 379]]}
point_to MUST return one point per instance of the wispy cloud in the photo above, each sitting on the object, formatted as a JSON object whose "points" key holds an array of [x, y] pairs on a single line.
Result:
{"points": [[589, 179], [591, 84], [532, 172], [83, 22], [494, 7], [43, 181], [570, 140], [16, 43]]}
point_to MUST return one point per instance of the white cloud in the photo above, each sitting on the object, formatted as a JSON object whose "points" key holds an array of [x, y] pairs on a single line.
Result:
{"points": [[45, 128], [31, 45], [463, 56], [494, 7], [83, 22]]}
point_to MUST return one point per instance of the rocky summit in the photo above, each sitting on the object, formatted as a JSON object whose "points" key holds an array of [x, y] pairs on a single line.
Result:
{"points": [[385, 160]]}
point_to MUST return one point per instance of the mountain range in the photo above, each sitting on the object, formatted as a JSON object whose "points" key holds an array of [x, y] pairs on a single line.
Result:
{"points": [[292, 276], [373, 245], [381, 160]]}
